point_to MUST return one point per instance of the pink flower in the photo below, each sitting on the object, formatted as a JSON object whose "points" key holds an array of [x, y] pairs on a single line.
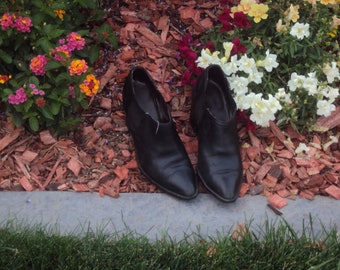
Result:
{"points": [[61, 53], [19, 97], [38, 64], [72, 94], [23, 24], [6, 21], [75, 41]]}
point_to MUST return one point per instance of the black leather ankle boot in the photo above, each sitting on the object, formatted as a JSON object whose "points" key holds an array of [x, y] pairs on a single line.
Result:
{"points": [[160, 153], [213, 116]]}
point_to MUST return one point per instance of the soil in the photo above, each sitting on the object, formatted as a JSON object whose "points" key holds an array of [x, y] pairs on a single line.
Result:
{"points": [[99, 156]]}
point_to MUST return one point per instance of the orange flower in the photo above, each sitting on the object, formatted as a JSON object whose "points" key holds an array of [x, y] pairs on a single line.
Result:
{"points": [[90, 86], [59, 13], [77, 67]]}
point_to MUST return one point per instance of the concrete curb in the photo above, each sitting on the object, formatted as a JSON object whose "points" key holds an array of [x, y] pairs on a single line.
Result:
{"points": [[159, 215]]}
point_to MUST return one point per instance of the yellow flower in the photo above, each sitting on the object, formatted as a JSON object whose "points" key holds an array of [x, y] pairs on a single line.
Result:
{"points": [[280, 27], [328, 2], [258, 11], [59, 13], [90, 86], [244, 6], [293, 13]]}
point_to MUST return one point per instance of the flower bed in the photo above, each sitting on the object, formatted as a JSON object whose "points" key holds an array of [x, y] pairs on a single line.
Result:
{"points": [[99, 155]]}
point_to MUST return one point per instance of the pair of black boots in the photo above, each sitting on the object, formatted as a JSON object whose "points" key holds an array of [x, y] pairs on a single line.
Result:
{"points": [[160, 153]]}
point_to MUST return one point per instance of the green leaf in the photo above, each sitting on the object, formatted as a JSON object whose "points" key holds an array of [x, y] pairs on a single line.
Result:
{"points": [[62, 77], [53, 65], [94, 54], [45, 44], [34, 80], [6, 57], [28, 104], [46, 113], [33, 123], [56, 33], [55, 108], [38, 18], [38, 3]]}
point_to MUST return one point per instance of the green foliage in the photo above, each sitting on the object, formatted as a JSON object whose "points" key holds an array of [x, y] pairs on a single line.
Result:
{"points": [[271, 247], [51, 22]]}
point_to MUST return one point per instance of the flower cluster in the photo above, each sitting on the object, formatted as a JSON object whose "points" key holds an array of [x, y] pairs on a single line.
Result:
{"points": [[38, 64], [90, 85], [19, 97], [5, 78], [73, 42], [22, 24], [77, 67], [279, 58]]}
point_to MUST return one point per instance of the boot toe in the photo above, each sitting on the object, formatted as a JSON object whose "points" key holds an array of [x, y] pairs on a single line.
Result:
{"points": [[225, 187], [182, 184]]}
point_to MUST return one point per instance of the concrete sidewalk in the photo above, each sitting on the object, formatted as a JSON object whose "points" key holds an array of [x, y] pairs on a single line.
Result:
{"points": [[159, 215]]}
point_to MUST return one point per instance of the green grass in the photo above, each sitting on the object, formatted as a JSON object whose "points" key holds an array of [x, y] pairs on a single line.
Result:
{"points": [[270, 247]]}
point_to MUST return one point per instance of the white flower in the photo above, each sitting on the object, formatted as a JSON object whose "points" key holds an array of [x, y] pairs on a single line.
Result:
{"points": [[300, 30], [238, 84], [330, 92], [269, 62], [324, 107], [263, 111], [247, 64], [255, 76], [246, 102], [283, 96], [296, 81], [261, 114], [206, 59], [230, 67], [273, 104], [301, 148], [311, 84], [228, 46], [331, 72]]}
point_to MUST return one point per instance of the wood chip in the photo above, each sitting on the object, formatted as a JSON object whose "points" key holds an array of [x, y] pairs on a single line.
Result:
{"points": [[277, 201], [47, 138], [333, 191], [74, 166], [26, 184], [9, 138]]}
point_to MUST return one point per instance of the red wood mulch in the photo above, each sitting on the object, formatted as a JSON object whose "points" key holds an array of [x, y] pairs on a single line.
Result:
{"points": [[100, 156]]}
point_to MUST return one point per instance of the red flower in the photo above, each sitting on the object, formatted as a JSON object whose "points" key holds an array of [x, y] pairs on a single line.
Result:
{"points": [[210, 45], [226, 21], [40, 102], [230, 2], [244, 118], [238, 47], [241, 20]]}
